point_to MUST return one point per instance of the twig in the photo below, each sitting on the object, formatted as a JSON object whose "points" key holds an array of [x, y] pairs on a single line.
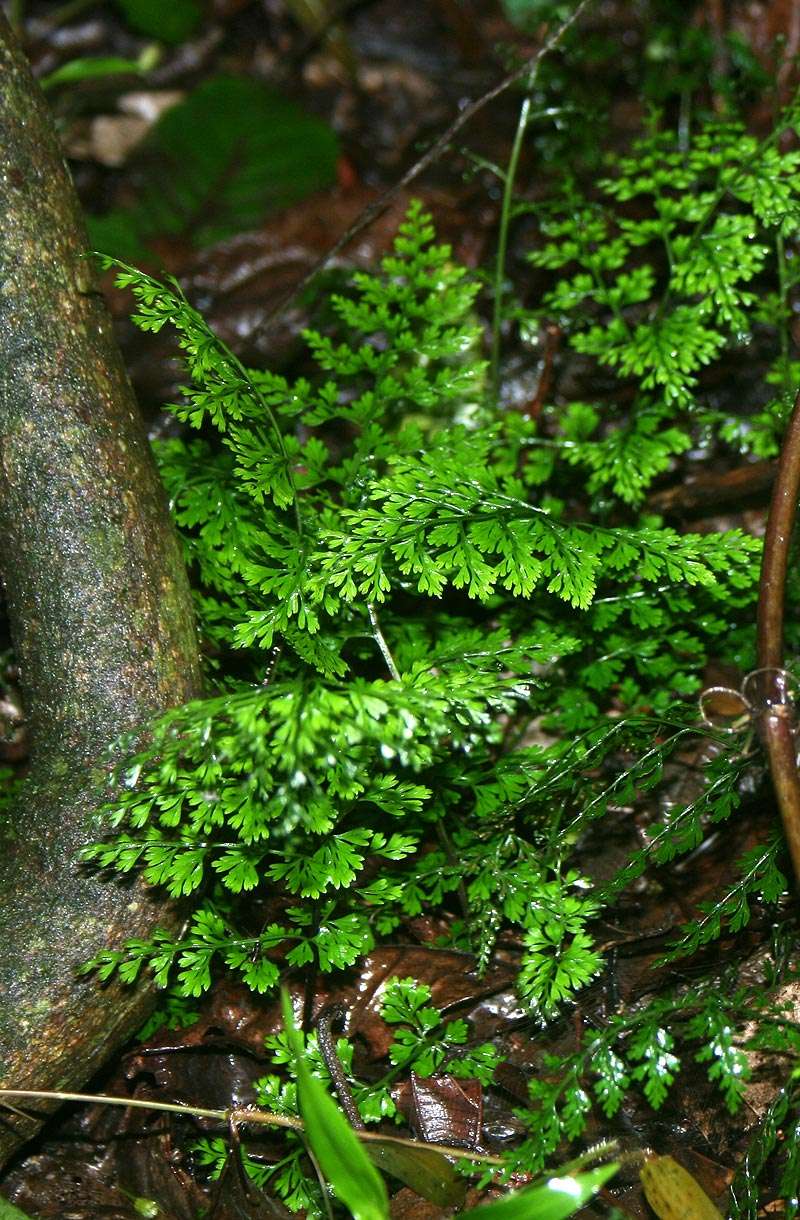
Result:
{"points": [[246, 1116], [551, 338], [711, 491], [334, 16], [256, 1116], [334, 1014], [376, 209], [776, 721], [234, 1159]]}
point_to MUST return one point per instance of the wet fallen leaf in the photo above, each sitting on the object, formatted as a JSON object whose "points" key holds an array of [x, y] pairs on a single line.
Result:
{"points": [[450, 975], [447, 1110]]}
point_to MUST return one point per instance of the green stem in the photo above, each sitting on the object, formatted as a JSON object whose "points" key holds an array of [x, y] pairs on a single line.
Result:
{"points": [[245, 1116], [380, 640], [601, 290], [270, 414], [502, 241], [239, 367]]}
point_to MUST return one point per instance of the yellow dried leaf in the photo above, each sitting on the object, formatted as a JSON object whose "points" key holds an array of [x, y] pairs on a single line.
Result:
{"points": [[673, 1193]]}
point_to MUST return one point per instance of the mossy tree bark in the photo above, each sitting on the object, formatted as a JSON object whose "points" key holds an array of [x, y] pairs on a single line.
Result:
{"points": [[98, 602]]}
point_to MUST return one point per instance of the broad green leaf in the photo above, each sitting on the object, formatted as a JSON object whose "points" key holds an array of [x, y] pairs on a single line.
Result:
{"points": [[428, 1173], [169, 22], [119, 230], [218, 163], [555, 1199], [333, 1142]]}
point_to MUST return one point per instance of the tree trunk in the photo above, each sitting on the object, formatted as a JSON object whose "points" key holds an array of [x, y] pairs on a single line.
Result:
{"points": [[98, 603]]}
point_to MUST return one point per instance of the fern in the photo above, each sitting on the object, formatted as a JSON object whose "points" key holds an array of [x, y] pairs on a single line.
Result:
{"points": [[658, 280], [423, 1042], [645, 1049], [404, 484], [396, 581]]}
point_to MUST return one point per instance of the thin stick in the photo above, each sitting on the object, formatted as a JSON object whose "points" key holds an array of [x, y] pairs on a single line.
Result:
{"points": [[452, 860], [264, 1116], [244, 1116], [777, 720], [332, 1015], [376, 209], [335, 15]]}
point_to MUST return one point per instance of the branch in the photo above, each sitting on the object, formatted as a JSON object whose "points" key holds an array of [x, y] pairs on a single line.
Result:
{"points": [[767, 687]]}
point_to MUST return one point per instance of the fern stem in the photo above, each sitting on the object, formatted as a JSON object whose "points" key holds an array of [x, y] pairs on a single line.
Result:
{"points": [[720, 191], [777, 722], [447, 847], [502, 237], [380, 640], [272, 418]]}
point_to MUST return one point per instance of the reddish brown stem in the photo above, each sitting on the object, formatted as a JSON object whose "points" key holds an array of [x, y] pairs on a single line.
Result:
{"points": [[709, 492], [551, 338], [777, 720]]}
